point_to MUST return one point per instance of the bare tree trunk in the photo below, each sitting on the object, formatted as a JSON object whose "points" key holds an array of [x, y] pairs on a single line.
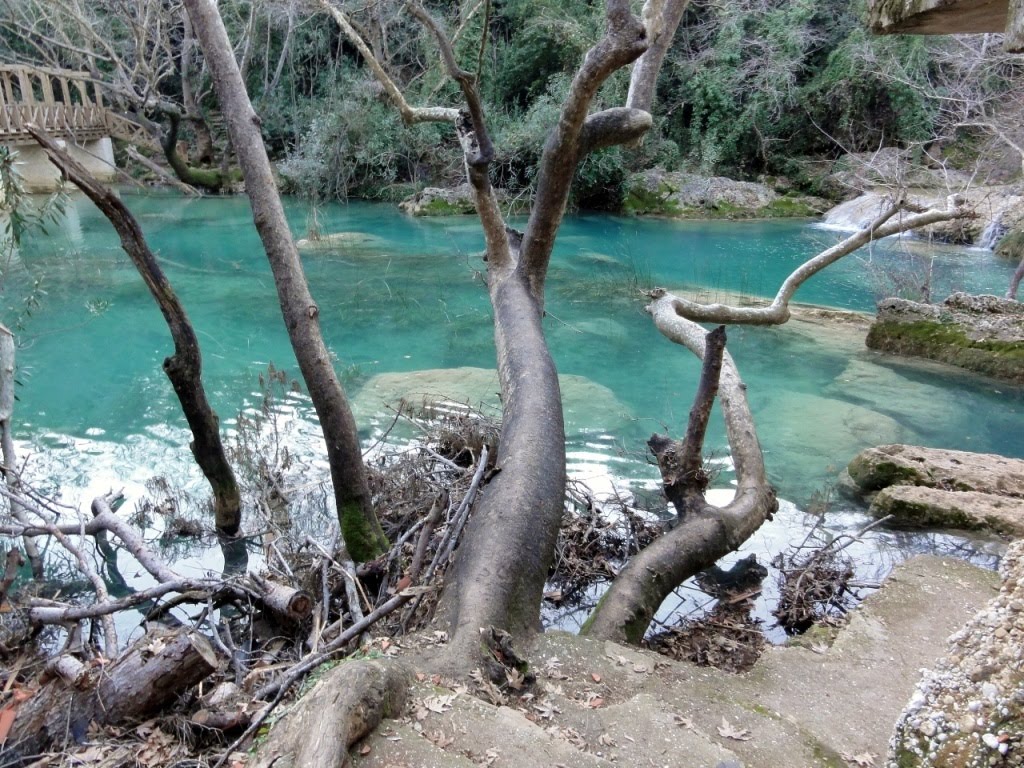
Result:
{"points": [[364, 537], [1018, 275], [10, 460], [504, 558], [184, 367], [644, 79], [706, 532]]}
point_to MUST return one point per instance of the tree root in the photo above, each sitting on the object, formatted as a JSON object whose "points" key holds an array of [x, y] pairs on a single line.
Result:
{"points": [[345, 705]]}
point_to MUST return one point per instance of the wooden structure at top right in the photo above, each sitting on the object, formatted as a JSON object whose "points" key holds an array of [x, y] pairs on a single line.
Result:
{"points": [[947, 17]]}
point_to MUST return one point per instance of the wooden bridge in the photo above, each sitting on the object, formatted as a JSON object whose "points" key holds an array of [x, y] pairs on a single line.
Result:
{"points": [[69, 106]]}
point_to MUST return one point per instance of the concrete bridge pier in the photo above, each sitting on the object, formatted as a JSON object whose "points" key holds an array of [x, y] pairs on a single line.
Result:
{"points": [[39, 175]]}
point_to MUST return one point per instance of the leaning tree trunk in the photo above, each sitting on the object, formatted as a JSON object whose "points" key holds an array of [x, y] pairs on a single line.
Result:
{"points": [[504, 558], [360, 528], [184, 367], [705, 533], [1018, 275], [10, 460]]}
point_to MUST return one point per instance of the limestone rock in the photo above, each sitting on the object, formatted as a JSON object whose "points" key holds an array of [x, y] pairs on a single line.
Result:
{"points": [[984, 334], [877, 468], [339, 241], [587, 404], [922, 507], [973, 698], [440, 201], [818, 433], [657, 192], [998, 208]]}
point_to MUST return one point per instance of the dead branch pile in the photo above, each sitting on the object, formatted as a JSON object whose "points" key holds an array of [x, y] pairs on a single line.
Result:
{"points": [[595, 539], [814, 582], [248, 637], [728, 636]]}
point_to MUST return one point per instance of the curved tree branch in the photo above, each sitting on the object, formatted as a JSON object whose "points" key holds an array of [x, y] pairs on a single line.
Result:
{"points": [[707, 532], [661, 19], [184, 368], [625, 39], [777, 312], [409, 114]]}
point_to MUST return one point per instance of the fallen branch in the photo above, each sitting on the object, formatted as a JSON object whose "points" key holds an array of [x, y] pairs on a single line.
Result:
{"points": [[150, 674]]}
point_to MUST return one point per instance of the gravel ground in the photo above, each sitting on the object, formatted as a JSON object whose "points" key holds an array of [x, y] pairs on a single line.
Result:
{"points": [[969, 711]]}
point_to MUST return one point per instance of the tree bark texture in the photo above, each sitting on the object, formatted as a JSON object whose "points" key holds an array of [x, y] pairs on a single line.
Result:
{"points": [[661, 26], [625, 39], [146, 677], [209, 179], [10, 459], [346, 704], [1018, 275], [503, 560], [363, 535], [707, 533], [184, 367]]}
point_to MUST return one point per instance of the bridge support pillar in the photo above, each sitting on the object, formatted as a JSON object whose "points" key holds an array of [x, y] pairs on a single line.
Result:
{"points": [[38, 174]]}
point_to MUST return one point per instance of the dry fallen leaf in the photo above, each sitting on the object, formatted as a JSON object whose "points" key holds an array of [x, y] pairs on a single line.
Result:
{"points": [[730, 732], [595, 677], [364, 750], [606, 741], [683, 722], [863, 760]]}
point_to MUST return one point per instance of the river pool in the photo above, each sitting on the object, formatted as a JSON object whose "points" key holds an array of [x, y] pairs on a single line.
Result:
{"points": [[405, 296]]}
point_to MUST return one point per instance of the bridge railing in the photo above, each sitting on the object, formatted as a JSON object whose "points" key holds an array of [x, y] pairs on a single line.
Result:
{"points": [[59, 101]]}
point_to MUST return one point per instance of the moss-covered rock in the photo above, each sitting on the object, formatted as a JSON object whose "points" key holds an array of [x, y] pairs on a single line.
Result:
{"points": [[987, 473], [984, 334], [439, 201], [1011, 245], [690, 196], [920, 507]]}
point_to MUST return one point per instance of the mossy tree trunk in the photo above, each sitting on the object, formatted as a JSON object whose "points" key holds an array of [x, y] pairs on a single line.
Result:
{"points": [[360, 528]]}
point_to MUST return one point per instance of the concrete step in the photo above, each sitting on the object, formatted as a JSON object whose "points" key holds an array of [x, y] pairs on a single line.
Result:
{"points": [[817, 704]]}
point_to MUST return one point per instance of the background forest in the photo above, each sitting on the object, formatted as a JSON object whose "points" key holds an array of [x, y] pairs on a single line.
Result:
{"points": [[749, 88]]}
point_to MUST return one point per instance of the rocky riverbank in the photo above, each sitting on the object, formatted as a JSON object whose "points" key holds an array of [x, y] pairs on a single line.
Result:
{"points": [[934, 488], [984, 334], [969, 709]]}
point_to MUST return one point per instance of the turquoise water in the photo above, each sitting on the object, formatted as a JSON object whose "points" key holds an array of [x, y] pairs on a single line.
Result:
{"points": [[95, 410], [410, 298]]}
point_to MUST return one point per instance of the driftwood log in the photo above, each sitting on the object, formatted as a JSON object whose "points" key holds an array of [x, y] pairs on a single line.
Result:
{"points": [[287, 604], [145, 678]]}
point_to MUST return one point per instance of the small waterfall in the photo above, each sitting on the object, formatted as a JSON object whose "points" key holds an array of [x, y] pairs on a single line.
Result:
{"points": [[855, 214], [992, 233]]}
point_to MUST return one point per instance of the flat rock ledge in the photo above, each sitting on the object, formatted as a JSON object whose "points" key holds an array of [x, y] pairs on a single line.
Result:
{"points": [[453, 201], [984, 334], [677, 194], [931, 487], [968, 711]]}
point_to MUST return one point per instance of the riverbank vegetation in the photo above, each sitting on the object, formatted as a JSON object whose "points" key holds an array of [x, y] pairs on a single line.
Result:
{"points": [[748, 88]]}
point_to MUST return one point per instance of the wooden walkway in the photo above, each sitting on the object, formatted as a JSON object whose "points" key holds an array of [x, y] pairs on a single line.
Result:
{"points": [[65, 104]]}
